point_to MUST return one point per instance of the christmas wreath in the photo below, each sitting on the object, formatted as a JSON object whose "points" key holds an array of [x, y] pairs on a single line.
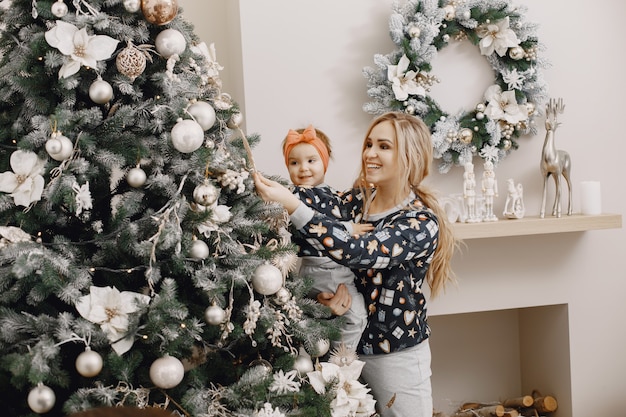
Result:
{"points": [[402, 79]]}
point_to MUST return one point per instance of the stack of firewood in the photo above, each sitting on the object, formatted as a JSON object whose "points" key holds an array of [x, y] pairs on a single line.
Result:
{"points": [[535, 405]]}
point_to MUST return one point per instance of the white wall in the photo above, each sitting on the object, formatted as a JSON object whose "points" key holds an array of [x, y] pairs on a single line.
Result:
{"points": [[294, 62]]}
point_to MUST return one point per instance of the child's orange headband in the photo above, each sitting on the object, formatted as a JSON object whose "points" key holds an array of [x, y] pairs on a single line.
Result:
{"points": [[307, 136]]}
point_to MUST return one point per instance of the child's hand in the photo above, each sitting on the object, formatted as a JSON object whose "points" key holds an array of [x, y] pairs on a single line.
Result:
{"points": [[270, 190], [339, 302], [359, 228]]}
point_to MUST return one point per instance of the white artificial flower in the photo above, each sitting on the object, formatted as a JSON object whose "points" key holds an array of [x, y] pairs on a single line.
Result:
{"points": [[352, 398], [503, 105], [497, 37], [12, 234], [404, 83], [285, 383], [110, 308], [220, 214], [83, 197], [212, 66], [25, 183], [81, 48], [268, 411]]}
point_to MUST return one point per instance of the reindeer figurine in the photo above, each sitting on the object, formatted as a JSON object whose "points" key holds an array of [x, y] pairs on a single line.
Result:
{"points": [[555, 162]]}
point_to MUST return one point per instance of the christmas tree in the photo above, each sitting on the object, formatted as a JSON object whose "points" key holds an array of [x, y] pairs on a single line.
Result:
{"points": [[137, 265]]}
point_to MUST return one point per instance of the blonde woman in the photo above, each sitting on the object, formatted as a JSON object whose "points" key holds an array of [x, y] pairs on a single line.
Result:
{"points": [[410, 244]]}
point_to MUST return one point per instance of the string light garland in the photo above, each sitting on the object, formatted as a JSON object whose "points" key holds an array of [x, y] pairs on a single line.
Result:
{"points": [[402, 79]]}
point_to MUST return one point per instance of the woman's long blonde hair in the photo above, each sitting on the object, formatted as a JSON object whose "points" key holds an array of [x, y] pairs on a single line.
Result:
{"points": [[414, 151]]}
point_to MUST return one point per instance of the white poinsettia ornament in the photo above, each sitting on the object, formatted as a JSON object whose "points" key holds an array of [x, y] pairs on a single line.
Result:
{"points": [[404, 82], [341, 375], [25, 183], [497, 37], [502, 105], [110, 308], [81, 48]]}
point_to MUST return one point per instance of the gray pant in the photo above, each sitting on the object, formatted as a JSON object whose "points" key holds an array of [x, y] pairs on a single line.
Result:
{"points": [[327, 275], [400, 381]]}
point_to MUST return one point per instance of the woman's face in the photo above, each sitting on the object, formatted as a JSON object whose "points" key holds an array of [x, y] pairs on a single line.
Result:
{"points": [[380, 155]]}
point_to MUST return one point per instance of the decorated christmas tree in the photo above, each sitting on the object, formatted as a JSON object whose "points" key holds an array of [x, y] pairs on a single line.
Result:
{"points": [[137, 265]]}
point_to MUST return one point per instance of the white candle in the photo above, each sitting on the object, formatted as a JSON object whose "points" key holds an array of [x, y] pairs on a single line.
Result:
{"points": [[590, 197]]}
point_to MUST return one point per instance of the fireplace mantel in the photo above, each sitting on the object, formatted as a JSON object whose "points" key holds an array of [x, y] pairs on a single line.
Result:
{"points": [[534, 225]]}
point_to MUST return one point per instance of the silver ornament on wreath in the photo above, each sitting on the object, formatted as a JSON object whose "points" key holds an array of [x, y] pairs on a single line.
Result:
{"points": [[319, 348], [159, 12], [267, 279], [89, 363], [131, 61], [41, 399], [167, 372]]}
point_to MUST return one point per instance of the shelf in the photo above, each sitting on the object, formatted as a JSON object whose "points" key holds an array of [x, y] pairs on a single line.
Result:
{"points": [[534, 225]]}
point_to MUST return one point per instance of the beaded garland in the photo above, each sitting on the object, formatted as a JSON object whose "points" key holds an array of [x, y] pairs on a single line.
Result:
{"points": [[402, 79]]}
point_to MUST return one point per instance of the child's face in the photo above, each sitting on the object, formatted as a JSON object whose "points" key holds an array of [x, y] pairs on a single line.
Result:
{"points": [[305, 166]]}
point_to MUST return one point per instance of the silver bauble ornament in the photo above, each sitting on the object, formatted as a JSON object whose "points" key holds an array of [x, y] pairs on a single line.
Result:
{"points": [[89, 363], [59, 147], [41, 399], [131, 61], [262, 364], [506, 144], [205, 194], [199, 250], [283, 295], [59, 8], [136, 177], [466, 135], [480, 107], [214, 314], [170, 42], [530, 107], [267, 279], [203, 113], [303, 363], [320, 348], [167, 372], [235, 121], [132, 6], [517, 53], [187, 135], [159, 12], [100, 91]]}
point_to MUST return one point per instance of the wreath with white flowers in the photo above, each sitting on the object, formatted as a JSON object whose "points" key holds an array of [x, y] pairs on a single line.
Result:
{"points": [[402, 79]]}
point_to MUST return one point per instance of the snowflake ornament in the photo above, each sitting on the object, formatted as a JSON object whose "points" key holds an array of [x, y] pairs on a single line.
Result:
{"points": [[285, 383], [83, 197]]}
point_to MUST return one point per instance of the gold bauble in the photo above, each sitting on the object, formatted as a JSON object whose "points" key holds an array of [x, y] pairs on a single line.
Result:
{"points": [[466, 135], [159, 12], [131, 62], [517, 53]]}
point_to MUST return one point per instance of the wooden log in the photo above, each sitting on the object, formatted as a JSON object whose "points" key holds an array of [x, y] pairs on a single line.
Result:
{"points": [[546, 404], [510, 412], [524, 401], [484, 411]]}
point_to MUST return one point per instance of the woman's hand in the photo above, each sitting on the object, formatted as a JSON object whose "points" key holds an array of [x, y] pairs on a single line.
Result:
{"points": [[339, 302], [270, 191]]}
